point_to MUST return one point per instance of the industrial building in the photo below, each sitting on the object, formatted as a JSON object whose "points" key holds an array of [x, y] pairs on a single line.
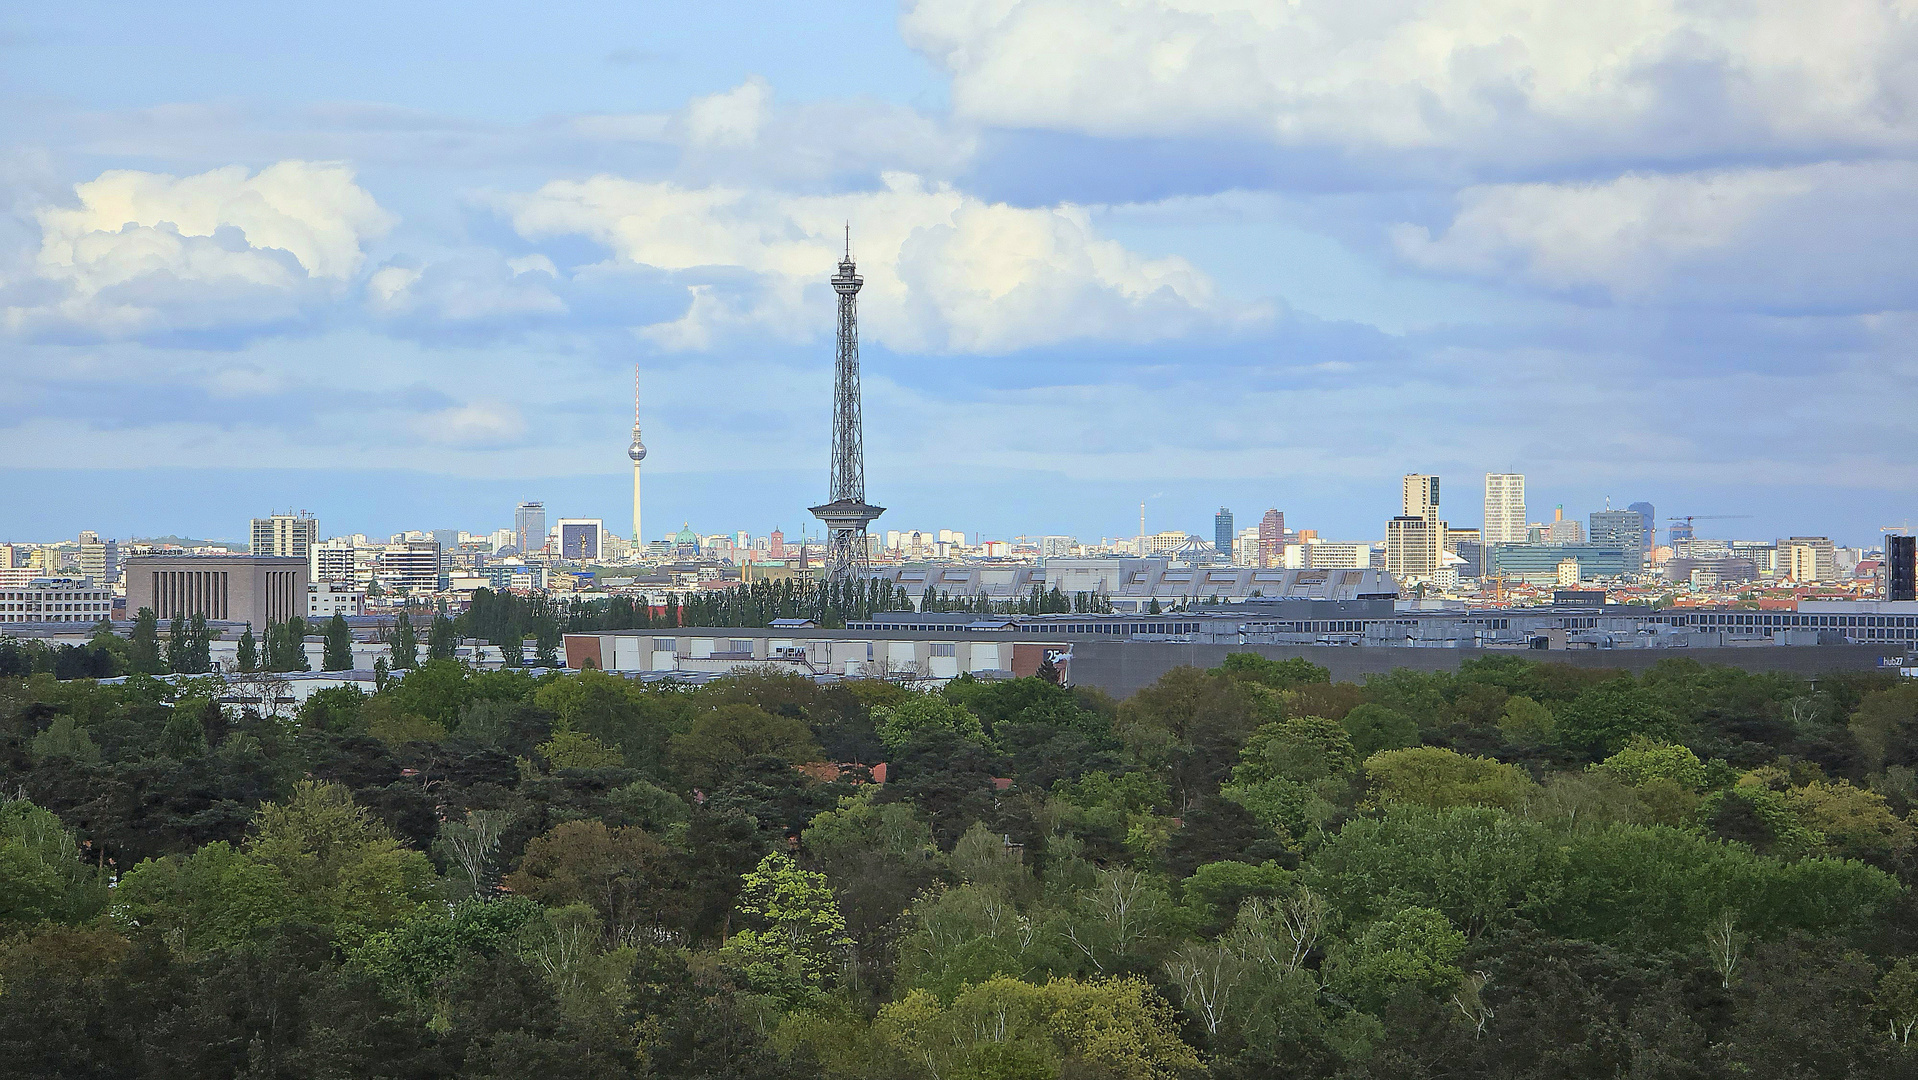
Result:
{"points": [[1132, 585]]}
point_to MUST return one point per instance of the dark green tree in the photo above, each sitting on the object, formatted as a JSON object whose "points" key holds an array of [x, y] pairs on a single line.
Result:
{"points": [[177, 652], [143, 647], [247, 656], [406, 645], [339, 645], [442, 639]]}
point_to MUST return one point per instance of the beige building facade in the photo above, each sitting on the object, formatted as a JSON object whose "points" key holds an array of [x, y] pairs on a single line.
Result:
{"points": [[255, 589]]}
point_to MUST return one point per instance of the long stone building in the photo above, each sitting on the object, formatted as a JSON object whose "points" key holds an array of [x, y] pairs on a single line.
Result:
{"points": [[255, 589]]}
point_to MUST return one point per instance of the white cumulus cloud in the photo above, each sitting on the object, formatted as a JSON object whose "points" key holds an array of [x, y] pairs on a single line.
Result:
{"points": [[1507, 79], [140, 251], [1826, 237], [944, 271]]}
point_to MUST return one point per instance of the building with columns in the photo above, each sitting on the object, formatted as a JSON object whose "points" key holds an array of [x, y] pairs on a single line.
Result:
{"points": [[256, 589]]}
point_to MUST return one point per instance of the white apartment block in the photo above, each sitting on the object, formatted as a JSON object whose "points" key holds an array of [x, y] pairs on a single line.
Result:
{"points": [[1504, 509]]}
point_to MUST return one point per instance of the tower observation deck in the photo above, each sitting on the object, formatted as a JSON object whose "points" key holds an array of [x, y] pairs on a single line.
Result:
{"points": [[847, 513]]}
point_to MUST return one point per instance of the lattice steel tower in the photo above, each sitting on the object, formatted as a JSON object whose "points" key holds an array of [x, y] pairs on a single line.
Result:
{"points": [[847, 514]]}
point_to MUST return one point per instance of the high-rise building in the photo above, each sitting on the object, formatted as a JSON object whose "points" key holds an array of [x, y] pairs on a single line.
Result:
{"points": [[1622, 529], [333, 560], [1415, 540], [1645, 510], [99, 559], [1901, 567], [1222, 533], [287, 536], [1504, 509], [847, 513], [529, 525], [776, 545], [1271, 538]]}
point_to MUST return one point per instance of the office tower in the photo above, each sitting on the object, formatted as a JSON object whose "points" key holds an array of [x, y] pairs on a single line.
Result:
{"points": [[1504, 509], [636, 451], [847, 513], [287, 536], [1901, 567], [99, 559], [1271, 538], [529, 525], [1222, 533], [1650, 515], [1622, 529], [1415, 540], [412, 565]]}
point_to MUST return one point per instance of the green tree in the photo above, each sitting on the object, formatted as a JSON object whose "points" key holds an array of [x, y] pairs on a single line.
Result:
{"points": [[1274, 674], [143, 645], [919, 712], [405, 645], [442, 639], [1416, 947], [41, 874], [798, 933], [247, 656], [179, 658], [1375, 727], [1607, 716], [1437, 778], [578, 750], [338, 655], [1525, 722], [721, 741], [341, 863], [214, 898], [630, 879]]}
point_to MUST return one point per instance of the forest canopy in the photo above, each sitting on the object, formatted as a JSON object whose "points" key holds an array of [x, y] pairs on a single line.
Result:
{"points": [[1516, 869]]}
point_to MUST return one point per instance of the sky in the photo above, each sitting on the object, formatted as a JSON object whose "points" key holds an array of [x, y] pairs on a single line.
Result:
{"points": [[396, 264]]}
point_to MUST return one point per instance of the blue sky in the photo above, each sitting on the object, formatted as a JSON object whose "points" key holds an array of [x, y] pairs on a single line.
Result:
{"points": [[396, 263]]}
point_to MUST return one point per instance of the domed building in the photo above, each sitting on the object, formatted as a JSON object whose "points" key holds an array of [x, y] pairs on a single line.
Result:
{"points": [[686, 542]]}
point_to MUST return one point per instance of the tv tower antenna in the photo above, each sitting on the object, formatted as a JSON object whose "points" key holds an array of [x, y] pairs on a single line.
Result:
{"points": [[847, 513], [636, 451]]}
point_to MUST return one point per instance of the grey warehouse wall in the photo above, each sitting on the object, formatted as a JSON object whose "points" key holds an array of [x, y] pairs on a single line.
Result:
{"points": [[1121, 668]]}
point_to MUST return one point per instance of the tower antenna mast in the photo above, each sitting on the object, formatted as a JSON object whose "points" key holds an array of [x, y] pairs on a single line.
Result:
{"points": [[847, 513], [636, 451]]}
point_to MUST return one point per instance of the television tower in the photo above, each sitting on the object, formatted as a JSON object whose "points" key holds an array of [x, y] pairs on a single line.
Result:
{"points": [[637, 452], [847, 514]]}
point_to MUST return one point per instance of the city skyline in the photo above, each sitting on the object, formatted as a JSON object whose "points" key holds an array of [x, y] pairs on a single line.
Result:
{"points": [[1099, 298]]}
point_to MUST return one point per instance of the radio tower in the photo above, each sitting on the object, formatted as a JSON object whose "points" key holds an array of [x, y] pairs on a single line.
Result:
{"points": [[847, 514], [637, 451]]}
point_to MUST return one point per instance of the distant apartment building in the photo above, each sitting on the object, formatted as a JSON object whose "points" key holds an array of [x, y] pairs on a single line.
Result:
{"points": [[99, 559], [286, 536], [1504, 508], [1820, 563], [413, 566], [325, 599], [52, 601]]}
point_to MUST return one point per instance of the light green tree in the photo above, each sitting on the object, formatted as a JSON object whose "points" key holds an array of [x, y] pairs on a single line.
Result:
{"points": [[1438, 778], [1417, 948], [799, 937], [925, 712]]}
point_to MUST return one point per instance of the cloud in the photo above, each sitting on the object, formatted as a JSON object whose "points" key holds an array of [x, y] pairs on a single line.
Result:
{"points": [[1504, 81], [148, 252], [944, 271], [471, 291], [475, 425], [1827, 237]]}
